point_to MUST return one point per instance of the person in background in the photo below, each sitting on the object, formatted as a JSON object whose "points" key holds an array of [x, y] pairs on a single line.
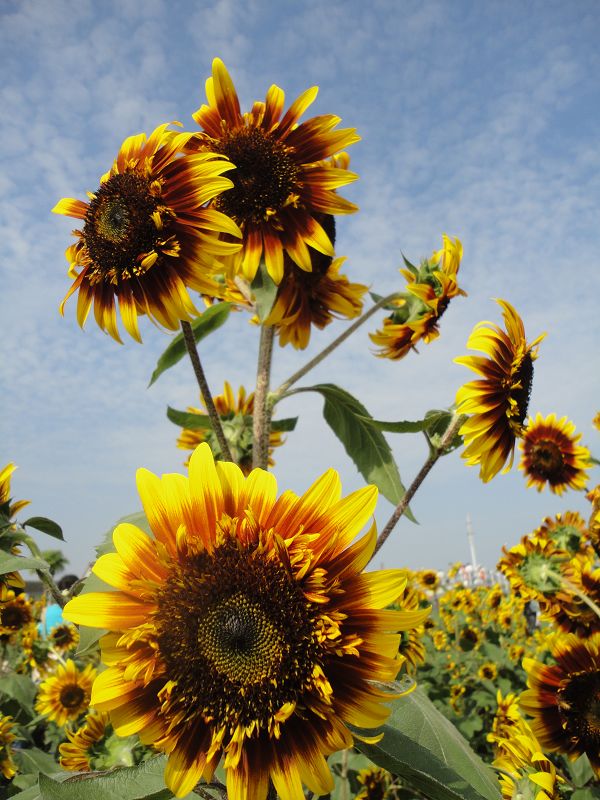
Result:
{"points": [[52, 614]]}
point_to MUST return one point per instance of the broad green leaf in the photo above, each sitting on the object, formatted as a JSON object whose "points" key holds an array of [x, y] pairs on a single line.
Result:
{"points": [[46, 526], [34, 760], [188, 419], [411, 426], [209, 321], [12, 563], [125, 783], [589, 793], [20, 688], [423, 747], [284, 425], [581, 770], [264, 290], [366, 446]]}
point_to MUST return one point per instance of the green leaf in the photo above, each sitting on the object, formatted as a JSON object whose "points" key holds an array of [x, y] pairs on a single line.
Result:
{"points": [[208, 322], [284, 425], [432, 418], [586, 794], [264, 290], [20, 688], [366, 446], [189, 419], [46, 526], [33, 760], [124, 783], [423, 747], [581, 770], [12, 563]]}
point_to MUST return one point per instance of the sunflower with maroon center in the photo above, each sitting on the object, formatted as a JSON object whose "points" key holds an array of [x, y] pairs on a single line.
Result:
{"points": [[64, 637], [202, 662], [15, 611], [552, 455], [148, 235], [315, 298], [497, 403], [564, 698], [65, 695], [281, 185]]}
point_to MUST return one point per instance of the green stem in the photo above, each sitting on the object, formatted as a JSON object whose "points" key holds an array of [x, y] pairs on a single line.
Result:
{"points": [[281, 390], [434, 455], [263, 403], [215, 420], [45, 577]]}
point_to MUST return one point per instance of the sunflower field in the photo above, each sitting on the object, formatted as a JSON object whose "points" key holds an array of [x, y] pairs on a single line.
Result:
{"points": [[231, 639]]}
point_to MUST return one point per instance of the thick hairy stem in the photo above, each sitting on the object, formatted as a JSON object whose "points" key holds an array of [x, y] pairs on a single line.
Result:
{"points": [[435, 453], [263, 405], [215, 420], [278, 393]]}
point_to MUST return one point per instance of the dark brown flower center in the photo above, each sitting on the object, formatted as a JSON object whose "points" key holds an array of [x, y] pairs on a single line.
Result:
{"points": [[71, 696], [119, 229], [237, 636], [522, 378], [14, 616], [546, 460], [63, 635], [264, 177], [579, 707]]}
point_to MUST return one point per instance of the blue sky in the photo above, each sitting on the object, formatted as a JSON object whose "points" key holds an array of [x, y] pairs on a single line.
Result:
{"points": [[479, 119]]}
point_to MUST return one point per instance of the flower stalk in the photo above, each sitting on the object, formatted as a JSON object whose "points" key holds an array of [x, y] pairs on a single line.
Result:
{"points": [[434, 454], [215, 420], [263, 403]]}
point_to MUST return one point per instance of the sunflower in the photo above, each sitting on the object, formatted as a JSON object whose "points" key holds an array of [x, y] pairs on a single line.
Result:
{"points": [[564, 698], [65, 696], [147, 234], [64, 637], [375, 783], [76, 754], [440, 640], [516, 653], [521, 763], [202, 662], [8, 768], [469, 638], [498, 403], [9, 509], [314, 298], [429, 579], [15, 612], [236, 417], [282, 183], [416, 314], [533, 568], [568, 611], [488, 671], [552, 456], [596, 421], [566, 531]]}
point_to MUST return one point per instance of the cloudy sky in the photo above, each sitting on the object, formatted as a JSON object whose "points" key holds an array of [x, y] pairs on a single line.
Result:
{"points": [[479, 119]]}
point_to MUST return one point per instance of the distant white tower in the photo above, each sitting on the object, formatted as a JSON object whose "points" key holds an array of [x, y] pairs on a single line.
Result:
{"points": [[471, 540]]}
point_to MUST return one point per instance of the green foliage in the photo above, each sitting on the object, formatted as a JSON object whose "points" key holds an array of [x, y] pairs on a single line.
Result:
{"points": [[364, 443], [264, 290], [46, 526], [14, 563], [208, 322], [422, 746]]}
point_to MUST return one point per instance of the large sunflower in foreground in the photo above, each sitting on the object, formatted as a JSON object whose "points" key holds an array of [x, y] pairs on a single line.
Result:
{"points": [[65, 696], [416, 314], [552, 456], [564, 698], [147, 234], [497, 403], [236, 418], [203, 663], [279, 186]]}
